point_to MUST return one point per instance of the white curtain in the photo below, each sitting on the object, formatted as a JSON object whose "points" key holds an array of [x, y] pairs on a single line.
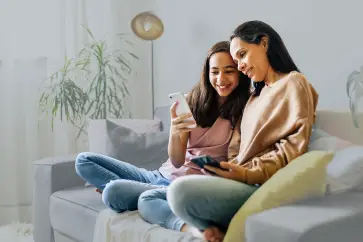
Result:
{"points": [[34, 38]]}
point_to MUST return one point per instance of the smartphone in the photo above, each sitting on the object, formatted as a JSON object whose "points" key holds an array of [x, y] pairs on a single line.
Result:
{"points": [[182, 107], [201, 161]]}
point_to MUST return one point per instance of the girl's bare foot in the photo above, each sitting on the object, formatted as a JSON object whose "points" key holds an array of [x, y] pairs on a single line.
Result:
{"points": [[194, 231], [214, 234]]}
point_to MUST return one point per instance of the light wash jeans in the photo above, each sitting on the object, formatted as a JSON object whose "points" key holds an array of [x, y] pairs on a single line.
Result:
{"points": [[154, 208], [122, 184], [204, 201]]}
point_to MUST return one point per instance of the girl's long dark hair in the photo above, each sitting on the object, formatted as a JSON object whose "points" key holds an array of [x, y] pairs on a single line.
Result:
{"points": [[280, 60], [203, 98]]}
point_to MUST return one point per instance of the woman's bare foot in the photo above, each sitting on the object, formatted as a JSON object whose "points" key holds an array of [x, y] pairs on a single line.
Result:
{"points": [[194, 231], [213, 234]]}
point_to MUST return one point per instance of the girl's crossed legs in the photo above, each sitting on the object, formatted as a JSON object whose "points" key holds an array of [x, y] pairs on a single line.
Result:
{"points": [[120, 182]]}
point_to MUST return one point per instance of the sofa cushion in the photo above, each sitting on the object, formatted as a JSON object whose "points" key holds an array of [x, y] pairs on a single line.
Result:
{"points": [[321, 140], [335, 218], [74, 212], [130, 227], [145, 150], [302, 178], [97, 131], [344, 172]]}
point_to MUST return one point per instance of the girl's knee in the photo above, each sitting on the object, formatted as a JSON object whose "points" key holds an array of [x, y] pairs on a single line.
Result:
{"points": [[145, 204], [153, 208], [111, 195], [148, 200], [148, 195], [81, 159]]}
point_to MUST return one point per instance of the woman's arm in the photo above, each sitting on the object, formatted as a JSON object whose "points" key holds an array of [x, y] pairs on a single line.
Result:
{"points": [[177, 148], [260, 168]]}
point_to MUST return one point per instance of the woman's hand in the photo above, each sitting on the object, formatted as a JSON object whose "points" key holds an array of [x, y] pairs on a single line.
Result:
{"points": [[233, 171], [179, 124]]}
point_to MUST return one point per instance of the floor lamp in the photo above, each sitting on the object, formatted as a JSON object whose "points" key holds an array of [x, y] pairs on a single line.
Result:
{"points": [[148, 26]]}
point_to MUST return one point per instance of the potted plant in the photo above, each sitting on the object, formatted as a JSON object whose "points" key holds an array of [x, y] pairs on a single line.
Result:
{"points": [[355, 92], [92, 85]]}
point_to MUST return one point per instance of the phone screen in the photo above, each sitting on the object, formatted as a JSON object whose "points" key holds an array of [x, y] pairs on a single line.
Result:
{"points": [[201, 161], [182, 107]]}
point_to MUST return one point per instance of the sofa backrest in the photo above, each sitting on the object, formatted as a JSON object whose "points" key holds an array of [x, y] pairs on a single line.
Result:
{"points": [[337, 123], [340, 124]]}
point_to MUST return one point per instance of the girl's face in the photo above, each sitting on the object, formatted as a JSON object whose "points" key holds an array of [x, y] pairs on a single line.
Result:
{"points": [[251, 58], [223, 73]]}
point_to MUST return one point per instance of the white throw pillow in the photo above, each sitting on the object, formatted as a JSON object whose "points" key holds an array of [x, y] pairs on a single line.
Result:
{"points": [[321, 140], [345, 171]]}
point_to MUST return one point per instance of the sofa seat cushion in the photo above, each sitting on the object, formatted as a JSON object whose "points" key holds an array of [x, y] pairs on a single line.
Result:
{"points": [[74, 211], [334, 218], [130, 227]]}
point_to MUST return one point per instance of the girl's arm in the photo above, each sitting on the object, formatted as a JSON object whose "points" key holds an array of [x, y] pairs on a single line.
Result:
{"points": [[178, 138], [177, 148]]}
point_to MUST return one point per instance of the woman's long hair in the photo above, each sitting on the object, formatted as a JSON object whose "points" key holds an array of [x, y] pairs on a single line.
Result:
{"points": [[203, 99], [280, 60]]}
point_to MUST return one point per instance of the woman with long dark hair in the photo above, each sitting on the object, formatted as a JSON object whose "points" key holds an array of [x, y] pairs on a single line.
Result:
{"points": [[275, 129]]}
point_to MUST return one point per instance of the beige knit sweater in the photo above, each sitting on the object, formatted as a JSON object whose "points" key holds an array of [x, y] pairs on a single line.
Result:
{"points": [[275, 128]]}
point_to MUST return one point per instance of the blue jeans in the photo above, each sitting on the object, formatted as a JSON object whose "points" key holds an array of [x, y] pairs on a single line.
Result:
{"points": [[204, 201], [123, 183], [154, 208]]}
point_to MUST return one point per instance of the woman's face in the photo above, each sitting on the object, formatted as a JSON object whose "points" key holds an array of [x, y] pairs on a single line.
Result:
{"points": [[223, 73], [251, 58]]}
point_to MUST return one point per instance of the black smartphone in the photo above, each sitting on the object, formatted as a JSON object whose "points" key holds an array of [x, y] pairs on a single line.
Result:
{"points": [[203, 160]]}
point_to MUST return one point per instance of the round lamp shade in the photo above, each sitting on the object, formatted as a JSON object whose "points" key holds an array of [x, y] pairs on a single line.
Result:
{"points": [[147, 26]]}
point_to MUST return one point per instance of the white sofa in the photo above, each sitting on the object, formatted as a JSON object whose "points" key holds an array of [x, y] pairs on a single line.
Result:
{"points": [[66, 211]]}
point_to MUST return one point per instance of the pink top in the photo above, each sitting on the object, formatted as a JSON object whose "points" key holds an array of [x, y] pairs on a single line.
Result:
{"points": [[213, 141]]}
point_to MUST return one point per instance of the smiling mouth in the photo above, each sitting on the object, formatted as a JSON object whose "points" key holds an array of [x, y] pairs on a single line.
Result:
{"points": [[222, 87]]}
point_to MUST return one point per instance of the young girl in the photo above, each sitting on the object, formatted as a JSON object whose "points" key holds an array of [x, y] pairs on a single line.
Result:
{"points": [[216, 104], [275, 129]]}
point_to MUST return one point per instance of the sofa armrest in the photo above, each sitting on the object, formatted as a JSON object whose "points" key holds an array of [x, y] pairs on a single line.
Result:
{"points": [[50, 175], [332, 218]]}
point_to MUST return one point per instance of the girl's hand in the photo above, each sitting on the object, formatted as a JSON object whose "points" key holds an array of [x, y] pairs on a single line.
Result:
{"points": [[179, 124], [233, 171]]}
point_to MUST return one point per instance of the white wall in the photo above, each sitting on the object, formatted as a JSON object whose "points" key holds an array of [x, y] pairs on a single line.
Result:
{"points": [[45, 32], [325, 38]]}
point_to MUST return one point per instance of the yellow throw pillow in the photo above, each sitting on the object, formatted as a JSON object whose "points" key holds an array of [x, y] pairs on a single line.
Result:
{"points": [[304, 177]]}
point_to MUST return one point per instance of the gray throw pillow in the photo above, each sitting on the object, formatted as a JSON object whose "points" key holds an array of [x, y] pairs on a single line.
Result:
{"points": [[144, 150]]}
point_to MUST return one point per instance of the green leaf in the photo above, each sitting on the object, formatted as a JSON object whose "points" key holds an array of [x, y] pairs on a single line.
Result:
{"points": [[355, 93], [133, 55], [353, 78], [123, 63], [90, 33], [90, 106]]}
